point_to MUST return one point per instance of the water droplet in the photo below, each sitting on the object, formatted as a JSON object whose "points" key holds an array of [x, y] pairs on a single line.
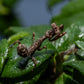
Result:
{"points": [[6, 53]]}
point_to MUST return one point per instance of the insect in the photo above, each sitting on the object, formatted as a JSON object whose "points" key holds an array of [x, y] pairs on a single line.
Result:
{"points": [[51, 35]]}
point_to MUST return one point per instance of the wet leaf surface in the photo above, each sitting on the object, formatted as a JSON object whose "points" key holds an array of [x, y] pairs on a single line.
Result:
{"points": [[14, 68], [3, 53], [80, 54], [80, 44], [65, 79], [78, 65], [19, 69]]}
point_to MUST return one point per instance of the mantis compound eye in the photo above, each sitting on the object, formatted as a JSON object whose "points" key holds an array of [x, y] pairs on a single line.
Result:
{"points": [[22, 50]]}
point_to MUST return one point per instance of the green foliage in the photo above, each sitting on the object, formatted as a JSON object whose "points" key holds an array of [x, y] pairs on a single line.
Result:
{"points": [[3, 10], [67, 21], [80, 44], [65, 79], [70, 13], [17, 69], [80, 54], [7, 18], [6, 21], [78, 73], [9, 3], [60, 80], [73, 8], [51, 3], [68, 79], [75, 67], [78, 65], [66, 42], [73, 37]]}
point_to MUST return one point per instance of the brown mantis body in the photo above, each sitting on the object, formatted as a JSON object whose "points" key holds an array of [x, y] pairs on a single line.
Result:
{"points": [[51, 35]]}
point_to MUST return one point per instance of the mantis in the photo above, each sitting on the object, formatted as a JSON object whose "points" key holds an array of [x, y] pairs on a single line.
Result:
{"points": [[51, 35]]}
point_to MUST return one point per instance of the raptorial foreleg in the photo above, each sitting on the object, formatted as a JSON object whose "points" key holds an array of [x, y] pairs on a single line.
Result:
{"points": [[57, 37]]}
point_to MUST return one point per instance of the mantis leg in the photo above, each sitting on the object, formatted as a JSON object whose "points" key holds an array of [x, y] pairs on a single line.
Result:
{"points": [[35, 62], [44, 47], [15, 43], [57, 37], [33, 37]]}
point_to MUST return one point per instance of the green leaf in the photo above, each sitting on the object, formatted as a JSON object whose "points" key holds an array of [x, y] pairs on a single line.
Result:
{"points": [[65, 79], [71, 57], [78, 70], [60, 80], [20, 69], [69, 80], [3, 53], [80, 54], [78, 65], [39, 30], [80, 44], [17, 36]]}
